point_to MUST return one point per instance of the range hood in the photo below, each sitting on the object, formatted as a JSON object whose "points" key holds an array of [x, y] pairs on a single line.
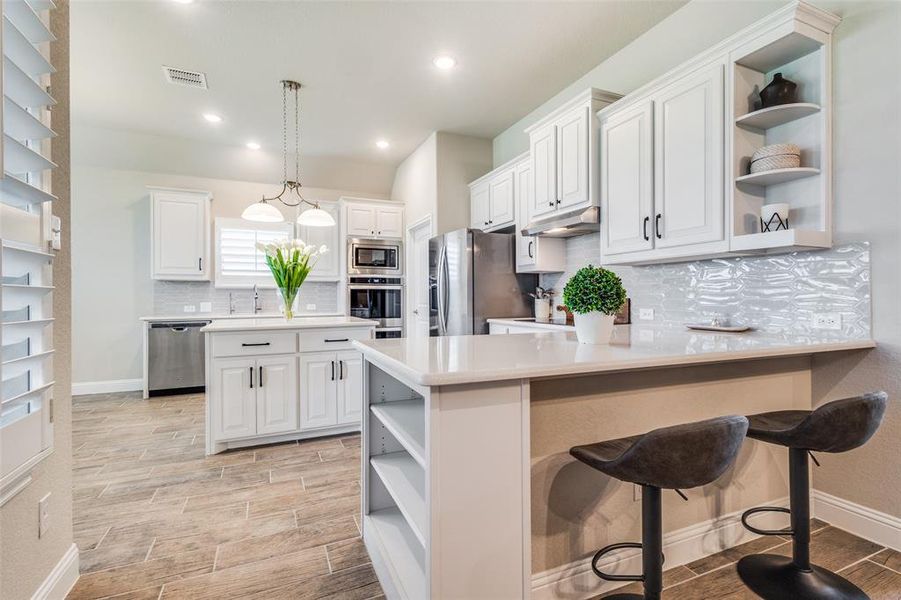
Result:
{"points": [[571, 224]]}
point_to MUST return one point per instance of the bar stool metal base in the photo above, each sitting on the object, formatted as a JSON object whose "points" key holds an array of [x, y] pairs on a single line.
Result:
{"points": [[775, 577]]}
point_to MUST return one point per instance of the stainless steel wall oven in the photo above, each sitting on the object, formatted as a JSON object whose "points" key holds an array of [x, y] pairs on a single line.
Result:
{"points": [[380, 299]]}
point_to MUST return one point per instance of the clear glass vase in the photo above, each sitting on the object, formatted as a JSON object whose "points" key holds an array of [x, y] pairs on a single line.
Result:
{"points": [[289, 295]]}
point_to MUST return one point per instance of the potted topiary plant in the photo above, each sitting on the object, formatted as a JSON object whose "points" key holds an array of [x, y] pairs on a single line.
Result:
{"points": [[594, 294]]}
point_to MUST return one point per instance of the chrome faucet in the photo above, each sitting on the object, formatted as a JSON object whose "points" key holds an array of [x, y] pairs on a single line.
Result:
{"points": [[257, 305]]}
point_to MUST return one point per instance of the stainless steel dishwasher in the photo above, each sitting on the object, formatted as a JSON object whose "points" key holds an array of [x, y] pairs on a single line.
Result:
{"points": [[176, 358]]}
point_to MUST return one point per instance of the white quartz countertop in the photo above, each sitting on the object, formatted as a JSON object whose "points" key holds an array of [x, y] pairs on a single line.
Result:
{"points": [[216, 316], [477, 358], [269, 323], [532, 323]]}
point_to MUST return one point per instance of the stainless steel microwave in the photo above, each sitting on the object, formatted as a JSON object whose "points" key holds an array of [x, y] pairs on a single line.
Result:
{"points": [[374, 257]]}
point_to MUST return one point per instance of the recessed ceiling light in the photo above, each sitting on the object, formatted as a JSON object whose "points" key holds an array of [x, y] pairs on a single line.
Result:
{"points": [[444, 62], [212, 118], [253, 145], [382, 144]]}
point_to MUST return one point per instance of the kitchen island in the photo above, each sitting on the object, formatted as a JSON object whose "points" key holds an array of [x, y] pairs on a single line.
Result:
{"points": [[468, 488], [272, 380]]}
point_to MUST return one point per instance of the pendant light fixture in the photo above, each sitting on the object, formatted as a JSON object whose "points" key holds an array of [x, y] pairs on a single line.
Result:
{"points": [[263, 211]]}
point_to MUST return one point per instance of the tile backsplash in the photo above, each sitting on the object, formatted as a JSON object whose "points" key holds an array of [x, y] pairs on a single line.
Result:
{"points": [[777, 293], [170, 297]]}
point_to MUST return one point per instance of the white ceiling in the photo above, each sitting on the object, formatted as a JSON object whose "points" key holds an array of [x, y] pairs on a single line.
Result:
{"points": [[365, 66]]}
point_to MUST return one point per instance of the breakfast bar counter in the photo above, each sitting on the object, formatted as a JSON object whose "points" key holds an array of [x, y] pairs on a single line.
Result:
{"points": [[468, 488]]}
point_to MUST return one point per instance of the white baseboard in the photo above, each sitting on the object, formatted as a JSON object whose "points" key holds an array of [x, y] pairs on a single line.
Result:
{"points": [[577, 580], [61, 579], [854, 518], [107, 387]]}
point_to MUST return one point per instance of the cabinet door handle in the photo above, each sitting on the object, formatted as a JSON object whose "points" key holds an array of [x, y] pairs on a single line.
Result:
{"points": [[657, 226], [645, 228], [550, 203], [251, 377], [530, 249], [340, 369], [255, 344], [261, 376], [200, 264], [328, 341], [333, 370]]}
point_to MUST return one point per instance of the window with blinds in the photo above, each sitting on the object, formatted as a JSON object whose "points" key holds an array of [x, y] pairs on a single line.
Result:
{"points": [[238, 262], [26, 257]]}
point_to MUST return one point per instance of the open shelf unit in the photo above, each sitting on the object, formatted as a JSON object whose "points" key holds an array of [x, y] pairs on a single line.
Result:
{"points": [[26, 263], [395, 504], [802, 54]]}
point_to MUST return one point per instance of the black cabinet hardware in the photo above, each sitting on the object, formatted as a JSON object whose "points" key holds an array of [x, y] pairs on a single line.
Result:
{"points": [[645, 228], [558, 202], [251, 377], [337, 340], [261, 376], [200, 264], [657, 226], [485, 223], [530, 249], [550, 203], [333, 370], [340, 369], [256, 344]]}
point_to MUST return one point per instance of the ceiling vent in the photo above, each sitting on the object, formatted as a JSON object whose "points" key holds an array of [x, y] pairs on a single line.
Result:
{"points": [[192, 79]]}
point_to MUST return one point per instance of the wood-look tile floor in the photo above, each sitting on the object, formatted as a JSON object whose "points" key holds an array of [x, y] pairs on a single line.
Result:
{"points": [[154, 518]]}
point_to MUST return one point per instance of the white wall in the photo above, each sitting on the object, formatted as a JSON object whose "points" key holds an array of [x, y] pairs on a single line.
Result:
{"points": [[416, 181], [111, 248]]}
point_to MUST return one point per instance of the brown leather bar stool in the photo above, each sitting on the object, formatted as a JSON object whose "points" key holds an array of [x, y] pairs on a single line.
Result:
{"points": [[680, 457], [838, 426]]}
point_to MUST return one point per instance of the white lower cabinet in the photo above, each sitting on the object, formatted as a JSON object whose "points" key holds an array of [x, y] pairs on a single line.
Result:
{"points": [[236, 414], [276, 390], [331, 389]]}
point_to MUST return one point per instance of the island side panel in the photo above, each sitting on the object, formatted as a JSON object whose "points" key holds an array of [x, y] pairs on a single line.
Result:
{"points": [[576, 509], [479, 491]]}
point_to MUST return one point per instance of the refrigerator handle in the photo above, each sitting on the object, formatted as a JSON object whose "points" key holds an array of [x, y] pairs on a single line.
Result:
{"points": [[442, 291]]}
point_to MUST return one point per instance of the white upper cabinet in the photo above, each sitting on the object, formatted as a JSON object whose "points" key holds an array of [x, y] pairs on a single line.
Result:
{"points": [[564, 156], [572, 158], [180, 234], [627, 179], [543, 152], [662, 170], [479, 205], [688, 157], [534, 254], [374, 220], [328, 266]]}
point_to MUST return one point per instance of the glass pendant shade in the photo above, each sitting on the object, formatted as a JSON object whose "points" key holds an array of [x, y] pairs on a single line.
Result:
{"points": [[316, 217], [262, 212]]}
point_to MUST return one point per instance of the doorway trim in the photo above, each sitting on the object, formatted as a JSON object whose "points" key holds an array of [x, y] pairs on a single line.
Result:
{"points": [[412, 228]]}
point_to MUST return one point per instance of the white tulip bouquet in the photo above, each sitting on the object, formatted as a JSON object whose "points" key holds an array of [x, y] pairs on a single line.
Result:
{"points": [[290, 262]]}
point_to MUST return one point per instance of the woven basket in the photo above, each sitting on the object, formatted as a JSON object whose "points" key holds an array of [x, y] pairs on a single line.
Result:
{"points": [[774, 150], [780, 161]]}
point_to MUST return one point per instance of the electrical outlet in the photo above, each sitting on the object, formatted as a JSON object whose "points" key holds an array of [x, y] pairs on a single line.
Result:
{"points": [[206, 307], [189, 308], [636, 492], [311, 307], [646, 314], [43, 515], [827, 321]]}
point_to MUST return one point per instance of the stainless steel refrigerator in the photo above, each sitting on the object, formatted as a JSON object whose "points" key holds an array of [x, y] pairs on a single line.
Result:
{"points": [[472, 277]]}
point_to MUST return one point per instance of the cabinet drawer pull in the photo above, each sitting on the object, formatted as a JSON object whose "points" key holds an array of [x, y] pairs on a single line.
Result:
{"points": [[256, 344], [645, 228], [251, 377], [550, 203], [337, 340], [261, 376], [657, 226], [530, 249]]}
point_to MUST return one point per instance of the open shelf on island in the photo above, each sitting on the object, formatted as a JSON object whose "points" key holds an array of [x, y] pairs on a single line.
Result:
{"points": [[20, 194], [405, 419], [784, 240], [404, 479], [401, 552], [777, 176], [765, 118], [26, 249]]}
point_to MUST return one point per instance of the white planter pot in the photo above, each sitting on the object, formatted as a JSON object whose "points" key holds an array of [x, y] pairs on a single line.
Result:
{"points": [[594, 327]]}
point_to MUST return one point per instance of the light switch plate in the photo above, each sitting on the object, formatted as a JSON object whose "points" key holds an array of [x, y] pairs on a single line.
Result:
{"points": [[646, 314], [43, 515], [206, 307], [189, 308]]}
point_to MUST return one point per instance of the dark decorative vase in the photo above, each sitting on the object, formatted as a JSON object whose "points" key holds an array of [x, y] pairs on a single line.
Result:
{"points": [[779, 91]]}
